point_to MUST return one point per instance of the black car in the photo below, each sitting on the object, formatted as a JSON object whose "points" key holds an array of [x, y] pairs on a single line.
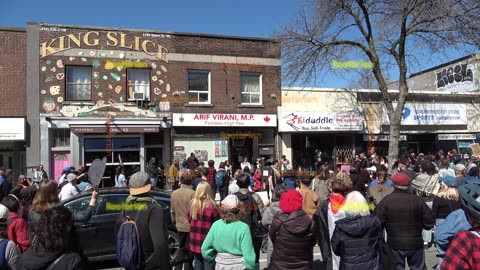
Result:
{"points": [[95, 239]]}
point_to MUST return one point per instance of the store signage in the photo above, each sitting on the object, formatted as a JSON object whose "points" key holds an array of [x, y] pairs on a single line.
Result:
{"points": [[381, 138], [431, 114], [115, 129], [13, 129], [319, 121], [107, 39], [452, 137], [223, 120]]}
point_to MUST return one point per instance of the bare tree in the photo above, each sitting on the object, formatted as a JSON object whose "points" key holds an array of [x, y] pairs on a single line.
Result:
{"points": [[390, 34], [364, 79]]}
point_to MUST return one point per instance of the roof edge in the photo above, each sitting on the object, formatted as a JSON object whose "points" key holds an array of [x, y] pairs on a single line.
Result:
{"points": [[13, 29]]}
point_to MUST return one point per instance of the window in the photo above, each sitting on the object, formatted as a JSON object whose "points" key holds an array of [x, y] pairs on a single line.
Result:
{"points": [[138, 84], [199, 87], [79, 83], [251, 88], [60, 137]]}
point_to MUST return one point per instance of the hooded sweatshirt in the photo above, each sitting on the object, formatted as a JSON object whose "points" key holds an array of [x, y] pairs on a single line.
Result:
{"points": [[355, 240], [293, 241]]}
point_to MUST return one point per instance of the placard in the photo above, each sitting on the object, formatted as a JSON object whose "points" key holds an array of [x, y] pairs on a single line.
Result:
{"points": [[475, 149]]}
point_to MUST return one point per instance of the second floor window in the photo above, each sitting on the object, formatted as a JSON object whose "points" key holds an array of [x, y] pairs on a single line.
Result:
{"points": [[79, 83], [138, 84], [251, 88], [199, 87]]}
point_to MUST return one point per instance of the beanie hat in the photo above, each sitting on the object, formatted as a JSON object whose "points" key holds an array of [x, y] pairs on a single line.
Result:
{"points": [[291, 201], [448, 180], [401, 179]]}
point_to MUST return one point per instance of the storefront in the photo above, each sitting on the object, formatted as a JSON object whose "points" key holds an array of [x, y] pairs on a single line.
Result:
{"points": [[12, 144], [221, 137], [124, 142], [326, 137]]}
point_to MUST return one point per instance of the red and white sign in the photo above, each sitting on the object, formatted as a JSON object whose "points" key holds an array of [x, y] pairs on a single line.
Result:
{"points": [[223, 120]]}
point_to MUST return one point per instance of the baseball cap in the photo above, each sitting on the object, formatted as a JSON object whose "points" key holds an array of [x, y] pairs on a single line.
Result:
{"points": [[71, 177], [139, 183], [448, 180], [67, 169]]}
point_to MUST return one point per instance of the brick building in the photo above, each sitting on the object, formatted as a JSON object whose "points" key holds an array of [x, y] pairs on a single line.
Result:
{"points": [[13, 68], [136, 94]]}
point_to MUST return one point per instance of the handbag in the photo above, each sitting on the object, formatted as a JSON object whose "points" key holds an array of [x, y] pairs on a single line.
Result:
{"points": [[386, 256]]}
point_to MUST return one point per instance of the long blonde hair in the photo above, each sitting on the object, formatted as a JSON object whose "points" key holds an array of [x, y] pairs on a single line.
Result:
{"points": [[449, 193], [203, 197]]}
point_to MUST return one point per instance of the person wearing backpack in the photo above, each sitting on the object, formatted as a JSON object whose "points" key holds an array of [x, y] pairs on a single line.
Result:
{"points": [[149, 241], [222, 180], [9, 254], [253, 207], [179, 201], [17, 226]]}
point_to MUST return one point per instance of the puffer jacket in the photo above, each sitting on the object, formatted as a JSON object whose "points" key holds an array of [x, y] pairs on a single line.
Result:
{"points": [[355, 240], [293, 241]]}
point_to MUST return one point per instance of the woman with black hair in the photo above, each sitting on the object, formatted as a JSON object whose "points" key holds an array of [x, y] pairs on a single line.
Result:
{"points": [[50, 248]]}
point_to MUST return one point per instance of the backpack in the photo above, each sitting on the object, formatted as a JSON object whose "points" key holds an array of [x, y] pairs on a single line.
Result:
{"points": [[3, 250], [129, 249], [222, 178], [252, 215]]}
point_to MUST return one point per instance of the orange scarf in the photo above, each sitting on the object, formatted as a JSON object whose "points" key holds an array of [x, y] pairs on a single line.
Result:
{"points": [[336, 201]]}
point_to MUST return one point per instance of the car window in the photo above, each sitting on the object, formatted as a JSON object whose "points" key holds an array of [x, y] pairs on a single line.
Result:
{"points": [[110, 204], [79, 205], [161, 201]]}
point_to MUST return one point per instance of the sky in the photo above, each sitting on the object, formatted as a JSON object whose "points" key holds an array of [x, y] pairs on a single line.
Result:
{"points": [[251, 18]]}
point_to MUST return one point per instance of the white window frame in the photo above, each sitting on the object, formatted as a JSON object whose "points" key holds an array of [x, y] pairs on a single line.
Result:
{"points": [[67, 83], [260, 100], [198, 92], [147, 85]]}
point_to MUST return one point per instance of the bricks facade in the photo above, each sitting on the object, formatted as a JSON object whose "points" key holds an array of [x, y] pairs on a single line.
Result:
{"points": [[13, 72]]}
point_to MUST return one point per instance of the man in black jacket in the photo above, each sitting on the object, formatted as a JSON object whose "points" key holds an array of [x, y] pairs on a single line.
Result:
{"points": [[151, 223], [404, 215]]}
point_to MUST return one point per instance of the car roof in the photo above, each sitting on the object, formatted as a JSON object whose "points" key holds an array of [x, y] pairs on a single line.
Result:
{"points": [[112, 190]]}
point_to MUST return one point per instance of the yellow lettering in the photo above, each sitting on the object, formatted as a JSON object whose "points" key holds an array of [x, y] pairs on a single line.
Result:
{"points": [[74, 39], [112, 36], [122, 41], [145, 49], [61, 43], [47, 50], [162, 53], [86, 39], [137, 44]]}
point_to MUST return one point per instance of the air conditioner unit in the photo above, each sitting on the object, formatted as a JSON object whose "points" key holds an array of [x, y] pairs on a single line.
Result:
{"points": [[138, 96]]}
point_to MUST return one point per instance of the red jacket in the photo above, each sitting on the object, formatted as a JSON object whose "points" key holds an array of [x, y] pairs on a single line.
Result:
{"points": [[17, 231], [257, 180]]}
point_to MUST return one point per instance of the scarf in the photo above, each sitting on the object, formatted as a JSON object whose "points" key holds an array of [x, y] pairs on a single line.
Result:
{"points": [[336, 202]]}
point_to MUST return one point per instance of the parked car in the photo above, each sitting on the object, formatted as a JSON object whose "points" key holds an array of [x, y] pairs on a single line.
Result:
{"points": [[95, 239]]}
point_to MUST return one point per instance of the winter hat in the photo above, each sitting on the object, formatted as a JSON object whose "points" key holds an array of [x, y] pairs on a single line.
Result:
{"points": [[460, 167], [230, 202], [448, 180], [291, 201], [401, 179]]}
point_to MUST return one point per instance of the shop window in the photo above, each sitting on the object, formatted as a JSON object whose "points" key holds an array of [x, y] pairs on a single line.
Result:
{"points": [[199, 87], [251, 88], [60, 137], [138, 84], [124, 150], [79, 83]]}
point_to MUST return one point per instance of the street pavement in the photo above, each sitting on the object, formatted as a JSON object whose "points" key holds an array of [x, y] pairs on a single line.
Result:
{"points": [[430, 259]]}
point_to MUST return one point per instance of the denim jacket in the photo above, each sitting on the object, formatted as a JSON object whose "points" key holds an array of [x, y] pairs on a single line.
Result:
{"points": [[454, 223]]}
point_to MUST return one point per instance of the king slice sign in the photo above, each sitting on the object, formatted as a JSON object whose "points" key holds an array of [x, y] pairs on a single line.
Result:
{"points": [[224, 120]]}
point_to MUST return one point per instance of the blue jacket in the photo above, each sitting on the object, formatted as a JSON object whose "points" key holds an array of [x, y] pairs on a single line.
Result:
{"points": [[444, 233]]}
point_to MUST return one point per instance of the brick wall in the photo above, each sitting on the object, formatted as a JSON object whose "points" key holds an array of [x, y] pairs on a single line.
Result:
{"points": [[13, 72]]}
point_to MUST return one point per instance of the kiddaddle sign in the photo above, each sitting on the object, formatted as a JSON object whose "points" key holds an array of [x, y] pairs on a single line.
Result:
{"points": [[102, 38], [319, 121]]}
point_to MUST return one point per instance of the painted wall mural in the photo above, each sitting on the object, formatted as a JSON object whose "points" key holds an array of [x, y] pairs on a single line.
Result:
{"points": [[109, 91]]}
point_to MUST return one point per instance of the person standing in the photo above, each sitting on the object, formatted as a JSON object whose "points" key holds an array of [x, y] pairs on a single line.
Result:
{"points": [[379, 188], [229, 242], [17, 226], [172, 173], [311, 201], [463, 252], [404, 215], [211, 177], [152, 171], [292, 235], [69, 190], [11, 254], [120, 180], [202, 213], [180, 199], [151, 223], [39, 174], [245, 163], [356, 236]]}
